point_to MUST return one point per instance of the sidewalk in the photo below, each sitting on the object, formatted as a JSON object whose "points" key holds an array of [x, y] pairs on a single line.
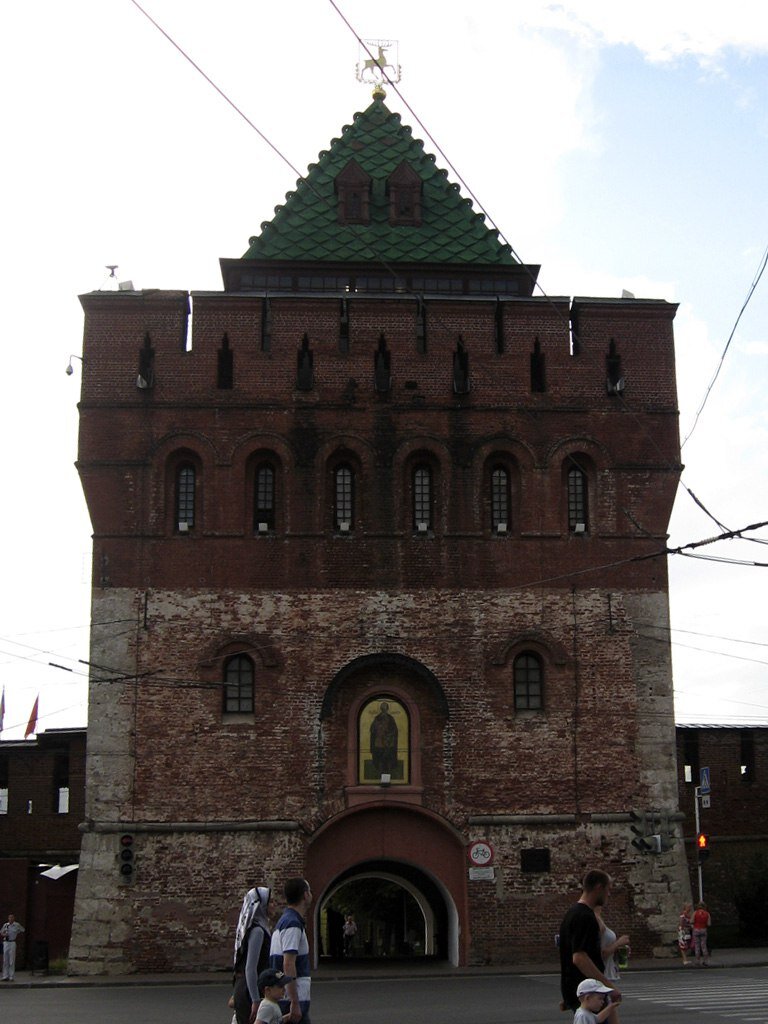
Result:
{"points": [[358, 971]]}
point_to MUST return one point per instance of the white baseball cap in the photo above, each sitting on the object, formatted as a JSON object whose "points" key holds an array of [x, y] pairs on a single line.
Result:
{"points": [[590, 985]]}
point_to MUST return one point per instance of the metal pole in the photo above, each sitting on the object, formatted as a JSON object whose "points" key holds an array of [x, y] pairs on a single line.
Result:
{"points": [[696, 798]]}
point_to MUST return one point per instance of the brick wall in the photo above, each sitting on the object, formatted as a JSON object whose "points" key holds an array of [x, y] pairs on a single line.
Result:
{"points": [[736, 821], [315, 609]]}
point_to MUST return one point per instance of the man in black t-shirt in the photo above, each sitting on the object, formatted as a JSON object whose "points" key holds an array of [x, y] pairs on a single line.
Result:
{"points": [[580, 939]]}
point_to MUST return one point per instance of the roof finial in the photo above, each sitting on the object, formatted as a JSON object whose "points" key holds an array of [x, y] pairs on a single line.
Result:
{"points": [[378, 69]]}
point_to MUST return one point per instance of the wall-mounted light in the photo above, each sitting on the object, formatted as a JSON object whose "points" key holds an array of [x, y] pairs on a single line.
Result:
{"points": [[70, 368]]}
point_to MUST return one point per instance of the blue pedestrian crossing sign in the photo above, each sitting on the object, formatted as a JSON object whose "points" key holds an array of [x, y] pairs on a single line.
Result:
{"points": [[704, 786]]}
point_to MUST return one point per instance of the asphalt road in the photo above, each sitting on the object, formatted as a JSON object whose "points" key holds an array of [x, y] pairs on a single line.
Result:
{"points": [[719, 996]]}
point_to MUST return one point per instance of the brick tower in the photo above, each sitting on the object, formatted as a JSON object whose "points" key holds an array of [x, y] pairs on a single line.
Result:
{"points": [[376, 578]]}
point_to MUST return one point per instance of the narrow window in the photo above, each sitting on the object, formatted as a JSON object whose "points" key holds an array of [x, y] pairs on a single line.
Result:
{"points": [[614, 381], [382, 366], [305, 362], [461, 369], [344, 327], [185, 498], [527, 677], [238, 685], [577, 500], [146, 375], [422, 499], [226, 366], [500, 500], [344, 504], [421, 328], [264, 504], [538, 375], [498, 328], [266, 325]]}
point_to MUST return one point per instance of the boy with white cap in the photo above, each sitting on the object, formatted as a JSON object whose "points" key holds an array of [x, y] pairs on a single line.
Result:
{"points": [[594, 1008]]}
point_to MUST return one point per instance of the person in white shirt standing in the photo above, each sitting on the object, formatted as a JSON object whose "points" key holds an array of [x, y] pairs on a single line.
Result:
{"points": [[289, 951], [10, 930]]}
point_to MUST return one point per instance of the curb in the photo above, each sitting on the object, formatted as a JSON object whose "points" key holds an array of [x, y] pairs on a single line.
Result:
{"points": [[24, 979]]}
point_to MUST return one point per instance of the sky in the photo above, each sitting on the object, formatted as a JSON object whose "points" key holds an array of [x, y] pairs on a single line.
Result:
{"points": [[620, 146]]}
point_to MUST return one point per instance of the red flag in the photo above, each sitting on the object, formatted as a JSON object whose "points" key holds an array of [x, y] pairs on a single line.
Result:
{"points": [[32, 723]]}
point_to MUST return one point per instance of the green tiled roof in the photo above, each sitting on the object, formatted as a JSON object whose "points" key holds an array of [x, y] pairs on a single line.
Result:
{"points": [[306, 226]]}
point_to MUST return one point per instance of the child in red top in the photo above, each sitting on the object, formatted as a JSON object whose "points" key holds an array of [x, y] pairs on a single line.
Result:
{"points": [[701, 921]]}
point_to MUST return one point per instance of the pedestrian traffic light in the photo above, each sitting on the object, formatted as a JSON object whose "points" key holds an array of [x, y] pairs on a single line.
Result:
{"points": [[702, 845], [125, 859]]}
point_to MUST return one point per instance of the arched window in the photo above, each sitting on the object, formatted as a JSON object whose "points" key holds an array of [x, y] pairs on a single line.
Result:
{"points": [[422, 498], [264, 498], [578, 495], [344, 498], [500, 499], [527, 675], [238, 685], [185, 497]]}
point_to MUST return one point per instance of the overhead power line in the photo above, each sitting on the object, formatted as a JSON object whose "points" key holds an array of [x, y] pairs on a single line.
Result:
{"points": [[709, 636], [301, 178], [750, 293]]}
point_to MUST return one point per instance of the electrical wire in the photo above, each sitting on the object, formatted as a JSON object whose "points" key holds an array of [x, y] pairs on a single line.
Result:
{"points": [[726, 561], [709, 636], [750, 293], [469, 191], [501, 234], [221, 92], [301, 178], [703, 650]]}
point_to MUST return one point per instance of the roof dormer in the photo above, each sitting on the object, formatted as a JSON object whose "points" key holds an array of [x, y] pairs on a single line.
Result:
{"points": [[404, 192], [353, 187]]}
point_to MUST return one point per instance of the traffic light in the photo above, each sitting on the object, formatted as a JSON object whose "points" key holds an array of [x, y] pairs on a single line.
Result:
{"points": [[702, 845], [125, 859], [646, 840]]}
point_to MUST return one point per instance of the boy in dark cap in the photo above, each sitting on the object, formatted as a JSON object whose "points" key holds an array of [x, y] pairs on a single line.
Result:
{"points": [[272, 985]]}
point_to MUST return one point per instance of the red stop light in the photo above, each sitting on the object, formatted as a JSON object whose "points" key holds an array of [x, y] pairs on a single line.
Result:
{"points": [[702, 846]]}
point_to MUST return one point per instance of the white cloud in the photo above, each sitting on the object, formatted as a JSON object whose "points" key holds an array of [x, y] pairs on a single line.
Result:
{"points": [[662, 30]]}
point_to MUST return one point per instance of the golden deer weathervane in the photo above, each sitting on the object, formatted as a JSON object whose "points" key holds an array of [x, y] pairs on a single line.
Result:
{"points": [[376, 65]]}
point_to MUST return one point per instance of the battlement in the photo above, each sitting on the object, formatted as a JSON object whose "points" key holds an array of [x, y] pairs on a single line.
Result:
{"points": [[225, 348]]}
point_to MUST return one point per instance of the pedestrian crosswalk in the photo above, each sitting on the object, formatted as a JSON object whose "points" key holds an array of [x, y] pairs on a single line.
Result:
{"points": [[709, 994]]}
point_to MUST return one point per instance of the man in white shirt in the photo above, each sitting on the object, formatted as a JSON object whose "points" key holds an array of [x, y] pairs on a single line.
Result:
{"points": [[10, 930], [289, 951]]}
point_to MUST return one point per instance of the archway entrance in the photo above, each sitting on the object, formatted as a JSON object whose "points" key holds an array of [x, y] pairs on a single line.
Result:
{"points": [[402, 872], [384, 911]]}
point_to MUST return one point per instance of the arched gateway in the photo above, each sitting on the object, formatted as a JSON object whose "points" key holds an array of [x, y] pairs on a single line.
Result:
{"points": [[409, 845]]}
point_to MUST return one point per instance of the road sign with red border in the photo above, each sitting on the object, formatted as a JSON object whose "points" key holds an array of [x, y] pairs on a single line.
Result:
{"points": [[480, 853]]}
